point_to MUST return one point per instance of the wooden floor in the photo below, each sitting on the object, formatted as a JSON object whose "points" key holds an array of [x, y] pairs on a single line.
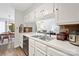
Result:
{"points": [[4, 51]]}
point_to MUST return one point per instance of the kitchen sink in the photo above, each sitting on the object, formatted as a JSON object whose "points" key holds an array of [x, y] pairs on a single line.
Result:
{"points": [[37, 36], [42, 37]]}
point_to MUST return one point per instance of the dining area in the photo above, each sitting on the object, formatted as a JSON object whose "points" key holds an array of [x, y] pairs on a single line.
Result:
{"points": [[7, 45], [6, 36]]}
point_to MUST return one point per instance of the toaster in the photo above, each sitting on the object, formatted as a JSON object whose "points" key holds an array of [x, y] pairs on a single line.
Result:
{"points": [[74, 37], [62, 36]]}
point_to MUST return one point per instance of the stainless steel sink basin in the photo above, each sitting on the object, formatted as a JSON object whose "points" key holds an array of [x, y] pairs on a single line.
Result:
{"points": [[45, 38], [37, 36]]}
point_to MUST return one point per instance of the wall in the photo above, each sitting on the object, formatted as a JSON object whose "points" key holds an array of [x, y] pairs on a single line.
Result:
{"points": [[18, 20], [7, 11]]}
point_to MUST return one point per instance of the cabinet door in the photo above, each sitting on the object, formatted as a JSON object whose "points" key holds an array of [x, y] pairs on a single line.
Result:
{"points": [[50, 8], [39, 12], [39, 52], [31, 47], [46, 9], [42, 11], [21, 40], [31, 42], [31, 51], [68, 14], [32, 16], [27, 18], [54, 52], [40, 46]]}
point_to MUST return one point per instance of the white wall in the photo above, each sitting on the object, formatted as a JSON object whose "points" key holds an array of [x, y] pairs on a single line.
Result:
{"points": [[6, 10], [18, 21], [7, 13]]}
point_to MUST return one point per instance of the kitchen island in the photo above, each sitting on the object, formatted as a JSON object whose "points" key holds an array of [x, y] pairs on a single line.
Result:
{"points": [[54, 47]]}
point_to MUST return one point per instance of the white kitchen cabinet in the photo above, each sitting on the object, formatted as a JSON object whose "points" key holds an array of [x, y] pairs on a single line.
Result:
{"points": [[21, 40], [44, 10], [36, 48], [31, 47], [39, 12], [50, 9], [31, 41], [39, 52], [31, 50], [68, 13], [30, 17], [39, 49], [27, 18], [41, 46], [54, 52]]}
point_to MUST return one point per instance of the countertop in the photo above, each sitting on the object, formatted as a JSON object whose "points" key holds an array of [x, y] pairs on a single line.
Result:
{"points": [[63, 46]]}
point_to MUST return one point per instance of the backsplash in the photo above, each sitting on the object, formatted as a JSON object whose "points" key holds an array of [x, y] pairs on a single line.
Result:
{"points": [[69, 28]]}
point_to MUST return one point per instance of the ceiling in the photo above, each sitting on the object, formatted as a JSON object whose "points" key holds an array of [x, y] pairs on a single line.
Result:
{"points": [[18, 6], [21, 6], [25, 6], [7, 9]]}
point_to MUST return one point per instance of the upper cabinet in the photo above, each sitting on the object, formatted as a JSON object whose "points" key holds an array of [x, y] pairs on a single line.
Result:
{"points": [[68, 13], [64, 13], [43, 10], [29, 17]]}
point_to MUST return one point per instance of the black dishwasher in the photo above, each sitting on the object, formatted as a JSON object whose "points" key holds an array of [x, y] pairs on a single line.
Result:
{"points": [[26, 45]]}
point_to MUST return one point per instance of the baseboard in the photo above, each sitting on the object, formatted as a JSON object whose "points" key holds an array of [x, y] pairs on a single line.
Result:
{"points": [[23, 50], [15, 46]]}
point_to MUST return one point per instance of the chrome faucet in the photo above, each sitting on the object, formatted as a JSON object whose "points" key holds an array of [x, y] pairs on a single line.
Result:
{"points": [[45, 33]]}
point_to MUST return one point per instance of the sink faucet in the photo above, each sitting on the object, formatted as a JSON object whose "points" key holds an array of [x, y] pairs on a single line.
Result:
{"points": [[45, 33]]}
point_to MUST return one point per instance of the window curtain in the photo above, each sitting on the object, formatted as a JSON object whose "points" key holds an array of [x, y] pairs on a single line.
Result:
{"points": [[2, 26]]}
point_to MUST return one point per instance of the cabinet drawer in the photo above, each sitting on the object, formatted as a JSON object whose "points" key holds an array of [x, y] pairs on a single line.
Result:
{"points": [[54, 52], [39, 52], [31, 51], [40, 46], [31, 42]]}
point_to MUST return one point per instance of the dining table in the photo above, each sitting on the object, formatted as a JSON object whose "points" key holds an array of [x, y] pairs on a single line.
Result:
{"points": [[6, 35]]}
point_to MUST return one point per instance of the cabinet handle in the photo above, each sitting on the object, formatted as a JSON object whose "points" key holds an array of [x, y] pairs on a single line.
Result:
{"points": [[57, 9], [33, 54], [53, 9], [42, 11], [45, 55]]}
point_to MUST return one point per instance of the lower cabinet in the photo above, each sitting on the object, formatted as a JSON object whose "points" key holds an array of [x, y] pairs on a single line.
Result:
{"points": [[54, 52], [38, 49], [31, 47], [41, 46], [31, 51], [38, 52]]}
